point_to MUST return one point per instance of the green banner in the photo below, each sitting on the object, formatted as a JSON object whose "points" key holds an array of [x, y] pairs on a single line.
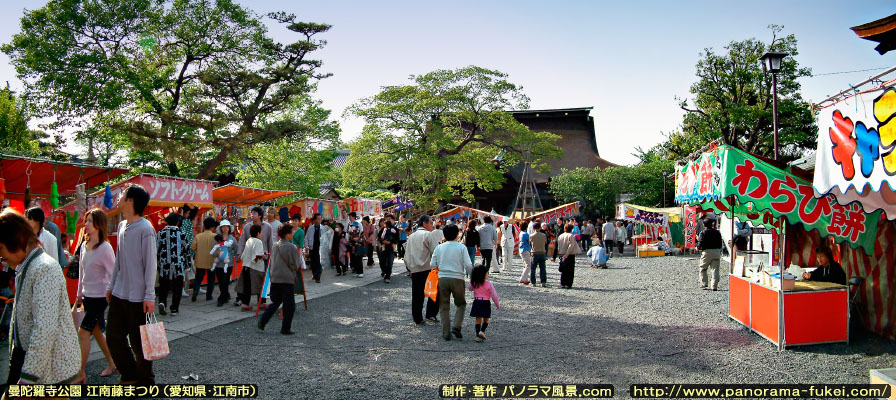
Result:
{"points": [[761, 187]]}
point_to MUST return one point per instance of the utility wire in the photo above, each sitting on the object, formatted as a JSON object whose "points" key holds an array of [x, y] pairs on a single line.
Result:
{"points": [[849, 72]]}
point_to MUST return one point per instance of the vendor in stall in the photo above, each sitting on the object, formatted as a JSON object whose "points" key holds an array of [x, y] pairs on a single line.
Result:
{"points": [[828, 270]]}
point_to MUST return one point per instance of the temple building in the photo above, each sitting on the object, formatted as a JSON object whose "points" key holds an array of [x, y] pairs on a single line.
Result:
{"points": [[575, 126]]}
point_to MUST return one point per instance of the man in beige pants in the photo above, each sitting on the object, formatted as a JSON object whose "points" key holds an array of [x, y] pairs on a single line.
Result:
{"points": [[454, 264], [711, 245]]}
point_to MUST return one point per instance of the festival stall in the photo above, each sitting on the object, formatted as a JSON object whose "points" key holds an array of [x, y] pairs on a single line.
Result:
{"points": [[855, 164], [567, 210], [459, 212], [166, 194], [397, 204], [234, 200], [653, 223], [26, 180], [328, 209], [785, 312], [362, 207]]}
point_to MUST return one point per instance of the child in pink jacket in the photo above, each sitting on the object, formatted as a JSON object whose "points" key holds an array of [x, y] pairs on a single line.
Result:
{"points": [[483, 293]]}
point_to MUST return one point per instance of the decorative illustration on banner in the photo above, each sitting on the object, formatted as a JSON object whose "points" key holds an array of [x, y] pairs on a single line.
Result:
{"points": [[856, 154]]}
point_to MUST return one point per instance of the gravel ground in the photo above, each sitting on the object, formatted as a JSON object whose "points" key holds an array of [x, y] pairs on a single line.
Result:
{"points": [[640, 321]]}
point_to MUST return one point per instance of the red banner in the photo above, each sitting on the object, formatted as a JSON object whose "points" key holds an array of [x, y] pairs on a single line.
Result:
{"points": [[565, 211], [690, 227], [176, 191]]}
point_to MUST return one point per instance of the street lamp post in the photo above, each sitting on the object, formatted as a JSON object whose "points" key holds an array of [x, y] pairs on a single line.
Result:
{"points": [[772, 63]]}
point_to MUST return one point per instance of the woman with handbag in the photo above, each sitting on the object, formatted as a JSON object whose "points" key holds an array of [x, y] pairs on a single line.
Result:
{"points": [[44, 346], [96, 261]]}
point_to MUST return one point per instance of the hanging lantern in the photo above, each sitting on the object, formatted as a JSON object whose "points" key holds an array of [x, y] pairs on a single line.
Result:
{"points": [[71, 222], [54, 195], [80, 198], [107, 199]]}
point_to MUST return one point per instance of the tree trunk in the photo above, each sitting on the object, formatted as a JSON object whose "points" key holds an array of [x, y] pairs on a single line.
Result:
{"points": [[208, 169], [172, 169]]}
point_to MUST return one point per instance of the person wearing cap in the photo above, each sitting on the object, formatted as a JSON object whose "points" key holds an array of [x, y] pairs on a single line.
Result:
{"points": [[710, 243], [224, 274]]}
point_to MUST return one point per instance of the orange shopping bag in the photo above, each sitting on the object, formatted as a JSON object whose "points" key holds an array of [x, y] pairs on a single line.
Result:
{"points": [[153, 339], [431, 289]]}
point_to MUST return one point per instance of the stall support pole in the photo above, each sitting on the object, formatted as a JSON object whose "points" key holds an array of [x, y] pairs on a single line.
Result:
{"points": [[733, 251], [781, 290]]}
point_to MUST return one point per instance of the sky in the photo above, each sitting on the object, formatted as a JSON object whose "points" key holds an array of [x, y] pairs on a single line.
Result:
{"points": [[627, 59]]}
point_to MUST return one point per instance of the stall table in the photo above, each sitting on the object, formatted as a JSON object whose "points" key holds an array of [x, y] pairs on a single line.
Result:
{"points": [[811, 313]]}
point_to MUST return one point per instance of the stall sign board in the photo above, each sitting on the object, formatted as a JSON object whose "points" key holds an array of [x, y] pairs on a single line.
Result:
{"points": [[652, 218], [364, 207], [761, 187], [555, 214], [690, 227]]}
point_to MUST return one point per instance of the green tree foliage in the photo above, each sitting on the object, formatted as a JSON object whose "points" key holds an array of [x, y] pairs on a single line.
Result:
{"points": [[379, 194], [300, 166], [16, 138], [194, 81], [732, 100], [437, 136], [598, 189]]}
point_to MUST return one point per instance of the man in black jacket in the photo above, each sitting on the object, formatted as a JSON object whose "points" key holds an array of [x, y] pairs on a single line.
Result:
{"points": [[711, 245]]}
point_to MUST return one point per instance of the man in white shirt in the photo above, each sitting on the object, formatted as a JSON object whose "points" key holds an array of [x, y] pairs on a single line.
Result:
{"points": [[418, 255], [36, 218], [609, 231], [508, 242], [271, 219]]}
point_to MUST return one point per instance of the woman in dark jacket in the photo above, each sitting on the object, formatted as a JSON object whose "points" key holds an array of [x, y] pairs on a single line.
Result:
{"points": [[828, 270], [471, 239]]}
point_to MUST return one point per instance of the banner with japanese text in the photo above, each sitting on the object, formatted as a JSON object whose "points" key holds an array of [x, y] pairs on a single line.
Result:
{"points": [[363, 207], [629, 213], [760, 187], [568, 210], [690, 227], [176, 191], [700, 180], [856, 154], [458, 212], [163, 192]]}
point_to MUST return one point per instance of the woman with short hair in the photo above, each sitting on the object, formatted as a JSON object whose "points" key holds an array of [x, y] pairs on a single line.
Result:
{"points": [[97, 259], [44, 345]]}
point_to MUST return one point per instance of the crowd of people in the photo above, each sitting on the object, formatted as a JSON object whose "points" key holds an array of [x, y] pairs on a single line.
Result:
{"points": [[187, 254]]}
